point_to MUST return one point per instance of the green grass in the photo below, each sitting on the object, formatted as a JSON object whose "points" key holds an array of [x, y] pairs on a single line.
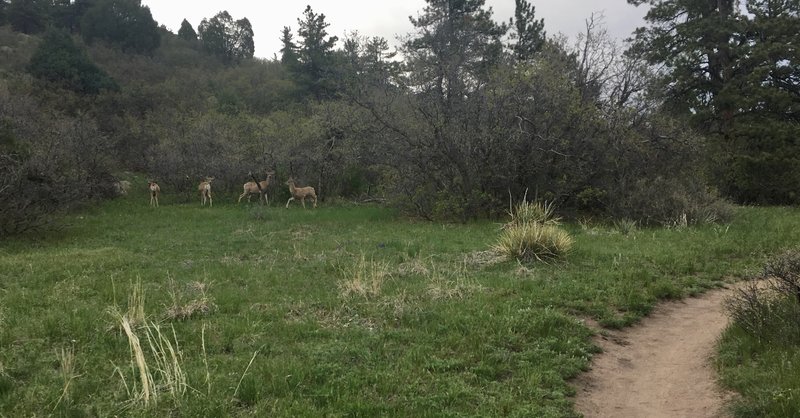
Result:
{"points": [[767, 375], [448, 331]]}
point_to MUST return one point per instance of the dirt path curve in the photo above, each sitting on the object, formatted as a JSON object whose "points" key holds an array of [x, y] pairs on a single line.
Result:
{"points": [[660, 367]]}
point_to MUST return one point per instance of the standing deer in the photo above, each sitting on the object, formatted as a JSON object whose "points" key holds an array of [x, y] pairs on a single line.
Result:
{"points": [[154, 191], [205, 191], [300, 193], [251, 187]]}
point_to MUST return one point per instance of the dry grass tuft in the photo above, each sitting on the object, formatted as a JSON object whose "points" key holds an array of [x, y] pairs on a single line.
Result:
{"points": [[363, 278], [200, 305], [168, 361], [414, 266], [66, 359], [454, 286], [138, 363]]}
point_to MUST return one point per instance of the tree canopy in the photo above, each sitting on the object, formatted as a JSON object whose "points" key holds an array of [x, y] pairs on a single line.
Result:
{"points": [[731, 70], [125, 23], [231, 41]]}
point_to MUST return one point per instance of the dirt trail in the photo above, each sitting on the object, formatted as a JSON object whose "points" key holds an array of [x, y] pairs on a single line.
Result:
{"points": [[660, 367]]}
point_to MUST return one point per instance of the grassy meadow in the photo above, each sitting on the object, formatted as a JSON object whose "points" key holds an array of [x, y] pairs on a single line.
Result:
{"points": [[340, 311]]}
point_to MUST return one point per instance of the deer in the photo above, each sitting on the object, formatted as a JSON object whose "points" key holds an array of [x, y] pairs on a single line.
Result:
{"points": [[300, 193], [251, 187], [154, 191], [205, 191]]}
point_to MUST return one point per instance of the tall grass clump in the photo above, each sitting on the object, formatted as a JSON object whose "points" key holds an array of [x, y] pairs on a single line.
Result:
{"points": [[364, 278], [533, 212], [533, 234], [164, 355], [66, 361]]}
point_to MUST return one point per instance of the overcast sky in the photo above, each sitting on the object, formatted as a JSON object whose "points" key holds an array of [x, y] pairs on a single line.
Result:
{"points": [[386, 18]]}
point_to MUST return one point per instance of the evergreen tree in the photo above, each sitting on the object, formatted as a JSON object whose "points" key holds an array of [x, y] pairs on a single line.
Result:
{"points": [[187, 31], [528, 32], [3, 12], [289, 56], [315, 54], [735, 75], [456, 47], [28, 16], [231, 41], [125, 23], [58, 60]]}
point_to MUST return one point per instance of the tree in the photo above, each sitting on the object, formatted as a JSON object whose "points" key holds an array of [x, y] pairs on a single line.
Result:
{"points": [[528, 32], [28, 16], [315, 54], [231, 41], [289, 56], [445, 121], [3, 12], [732, 74], [59, 61], [187, 31], [125, 23]]}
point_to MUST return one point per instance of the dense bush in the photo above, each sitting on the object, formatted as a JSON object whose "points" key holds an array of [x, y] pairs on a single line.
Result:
{"points": [[769, 310], [60, 61], [49, 163]]}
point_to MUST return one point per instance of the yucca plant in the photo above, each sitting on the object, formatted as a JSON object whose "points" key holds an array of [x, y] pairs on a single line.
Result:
{"points": [[533, 241], [528, 212]]}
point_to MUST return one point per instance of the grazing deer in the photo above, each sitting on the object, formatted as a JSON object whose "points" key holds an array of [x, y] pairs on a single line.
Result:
{"points": [[205, 192], [300, 193], [121, 187], [154, 191], [251, 187]]}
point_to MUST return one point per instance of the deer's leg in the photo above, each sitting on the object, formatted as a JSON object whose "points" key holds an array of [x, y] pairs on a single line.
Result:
{"points": [[210, 200], [287, 202]]}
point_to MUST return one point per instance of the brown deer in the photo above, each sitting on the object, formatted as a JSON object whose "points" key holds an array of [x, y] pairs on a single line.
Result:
{"points": [[300, 193], [205, 191], [251, 187], [154, 191]]}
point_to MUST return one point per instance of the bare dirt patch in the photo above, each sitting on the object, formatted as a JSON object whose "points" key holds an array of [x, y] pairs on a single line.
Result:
{"points": [[660, 367]]}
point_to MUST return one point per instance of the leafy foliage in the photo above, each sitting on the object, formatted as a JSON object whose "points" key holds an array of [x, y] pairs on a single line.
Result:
{"points": [[187, 32], [125, 23], [731, 73], [231, 41], [27, 16], [60, 61], [314, 54]]}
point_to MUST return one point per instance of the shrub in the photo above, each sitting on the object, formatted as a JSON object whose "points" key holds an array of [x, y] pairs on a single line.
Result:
{"points": [[533, 241], [769, 309]]}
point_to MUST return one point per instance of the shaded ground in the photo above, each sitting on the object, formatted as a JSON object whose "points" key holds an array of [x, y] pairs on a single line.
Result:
{"points": [[660, 367]]}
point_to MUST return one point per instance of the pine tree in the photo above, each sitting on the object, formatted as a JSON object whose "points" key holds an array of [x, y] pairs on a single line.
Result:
{"points": [[735, 75], [28, 16], [187, 31], [289, 56], [315, 54], [58, 60], [125, 23], [528, 32]]}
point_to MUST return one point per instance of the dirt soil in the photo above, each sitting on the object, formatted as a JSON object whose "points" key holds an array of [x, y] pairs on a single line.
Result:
{"points": [[660, 367]]}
